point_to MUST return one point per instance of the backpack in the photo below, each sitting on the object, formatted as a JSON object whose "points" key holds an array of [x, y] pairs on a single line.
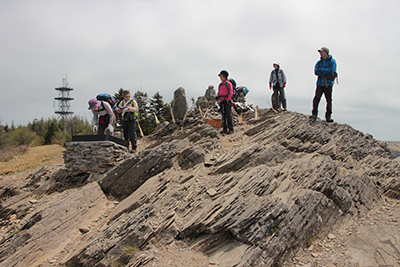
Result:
{"points": [[233, 82], [110, 100], [242, 89], [334, 77]]}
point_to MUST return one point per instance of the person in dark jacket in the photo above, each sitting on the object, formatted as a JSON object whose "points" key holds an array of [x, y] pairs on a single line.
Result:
{"points": [[325, 69], [225, 93], [277, 81]]}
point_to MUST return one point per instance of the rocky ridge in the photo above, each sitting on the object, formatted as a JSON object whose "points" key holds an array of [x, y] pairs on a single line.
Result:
{"points": [[195, 198]]}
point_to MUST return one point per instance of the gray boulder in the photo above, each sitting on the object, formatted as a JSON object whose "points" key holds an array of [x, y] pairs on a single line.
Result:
{"points": [[179, 104]]}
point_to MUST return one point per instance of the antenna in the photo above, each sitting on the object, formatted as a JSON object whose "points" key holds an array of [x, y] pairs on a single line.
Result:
{"points": [[64, 99]]}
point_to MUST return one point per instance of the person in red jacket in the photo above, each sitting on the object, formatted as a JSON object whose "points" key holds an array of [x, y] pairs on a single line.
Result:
{"points": [[225, 93]]}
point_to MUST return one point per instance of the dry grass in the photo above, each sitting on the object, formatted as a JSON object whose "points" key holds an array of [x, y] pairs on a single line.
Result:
{"points": [[33, 158], [8, 153]]}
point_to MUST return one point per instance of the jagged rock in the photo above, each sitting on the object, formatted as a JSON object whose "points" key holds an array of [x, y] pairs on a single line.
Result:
{"points": [[179, 104], [51, 225], [252, 198]]}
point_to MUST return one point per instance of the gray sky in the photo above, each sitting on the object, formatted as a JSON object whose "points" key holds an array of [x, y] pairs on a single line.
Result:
{"points": [[160, 45]]}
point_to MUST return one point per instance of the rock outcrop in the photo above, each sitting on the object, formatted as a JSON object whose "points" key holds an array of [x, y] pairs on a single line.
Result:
{"points": [[179, 104], [252, 198]]}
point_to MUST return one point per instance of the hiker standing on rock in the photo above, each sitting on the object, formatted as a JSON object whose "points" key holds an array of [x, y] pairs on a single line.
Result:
{"points": [[225, 93], [325, 69], [103, 116], [277, 81], [128, 109]]}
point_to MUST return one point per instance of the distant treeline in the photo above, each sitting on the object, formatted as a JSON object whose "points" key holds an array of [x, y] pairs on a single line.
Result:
{"points": [[53, 131]]}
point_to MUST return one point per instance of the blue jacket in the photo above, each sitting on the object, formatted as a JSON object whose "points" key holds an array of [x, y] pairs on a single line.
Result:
{"points": [[323, 69]]}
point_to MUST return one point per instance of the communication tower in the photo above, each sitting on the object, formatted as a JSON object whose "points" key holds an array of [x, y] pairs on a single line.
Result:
{"points": [[64, 100]]}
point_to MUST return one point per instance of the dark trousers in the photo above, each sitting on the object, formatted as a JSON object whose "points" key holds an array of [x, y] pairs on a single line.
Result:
{"points": [[102, 128], [279, 94], [227, 122], [327, 91], [129, 129]]}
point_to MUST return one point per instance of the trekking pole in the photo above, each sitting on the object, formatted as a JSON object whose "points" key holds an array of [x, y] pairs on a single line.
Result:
{"points": [[184, 117], [205, 114], [172, 114], [271, 106], [201, 113], [256, 113], [140, 129], [155, 117]]}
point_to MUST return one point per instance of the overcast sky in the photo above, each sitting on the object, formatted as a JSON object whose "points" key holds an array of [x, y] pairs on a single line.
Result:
{"points": [[161, 45]]}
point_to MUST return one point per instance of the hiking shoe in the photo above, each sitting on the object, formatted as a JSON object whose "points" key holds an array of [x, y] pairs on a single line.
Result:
{"points": [[230, 132], [133, 150], [222, 132], [313, 118], [329, 120], [285, 109]]}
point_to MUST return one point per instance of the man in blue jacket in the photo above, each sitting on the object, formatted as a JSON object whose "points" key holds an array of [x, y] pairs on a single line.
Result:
{"points": [[325, 69]]}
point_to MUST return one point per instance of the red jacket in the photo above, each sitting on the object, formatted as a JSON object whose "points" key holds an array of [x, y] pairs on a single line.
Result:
{"points": [[223, 91]]}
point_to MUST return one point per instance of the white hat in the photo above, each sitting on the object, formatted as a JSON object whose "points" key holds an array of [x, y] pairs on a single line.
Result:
{"points": [[276, 63]]}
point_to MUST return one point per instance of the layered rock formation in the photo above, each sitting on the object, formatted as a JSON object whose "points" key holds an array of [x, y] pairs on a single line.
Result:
{"points": [[248, 199]]}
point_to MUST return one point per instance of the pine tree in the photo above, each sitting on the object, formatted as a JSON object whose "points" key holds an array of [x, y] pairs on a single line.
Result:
{"points": [[161, 109]]}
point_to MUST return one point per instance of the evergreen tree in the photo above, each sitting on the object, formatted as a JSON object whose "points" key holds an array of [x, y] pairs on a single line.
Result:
{"points": [[118, 96], [145, 120], [51, 129], [161, 109], [3, 133]]}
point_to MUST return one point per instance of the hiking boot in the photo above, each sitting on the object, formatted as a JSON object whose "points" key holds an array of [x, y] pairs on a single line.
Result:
{"points": [[222, 132], [313, 118], [285, 109], [133, 150], [329, 120], [230, 132]]}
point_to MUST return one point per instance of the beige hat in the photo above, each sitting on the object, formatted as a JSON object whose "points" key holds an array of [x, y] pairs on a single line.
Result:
{"points": [[326, 49], [126, 93]]}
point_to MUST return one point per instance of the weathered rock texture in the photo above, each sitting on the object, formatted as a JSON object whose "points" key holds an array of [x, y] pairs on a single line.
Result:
{"points": [[179, 104], [248, 199], [93, 157]]}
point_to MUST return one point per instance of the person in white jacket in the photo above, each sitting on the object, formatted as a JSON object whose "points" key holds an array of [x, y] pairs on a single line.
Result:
{"points": [[129, 110], [103, 116]]}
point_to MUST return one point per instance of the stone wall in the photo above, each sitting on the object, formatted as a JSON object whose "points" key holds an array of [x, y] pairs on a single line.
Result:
{"points": [[93, 157]]}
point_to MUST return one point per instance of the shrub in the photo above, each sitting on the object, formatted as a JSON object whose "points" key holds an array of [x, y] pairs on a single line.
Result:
{"points": [[21, 136]]}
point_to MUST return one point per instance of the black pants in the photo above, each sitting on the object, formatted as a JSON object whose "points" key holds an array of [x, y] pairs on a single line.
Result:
{"points": [[129, 129], [279, 94], [327, 91], [102, 128], [227, 122]]}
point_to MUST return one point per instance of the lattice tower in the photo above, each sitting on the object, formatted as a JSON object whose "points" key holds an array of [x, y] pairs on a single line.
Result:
{"points": [[64, 100]]}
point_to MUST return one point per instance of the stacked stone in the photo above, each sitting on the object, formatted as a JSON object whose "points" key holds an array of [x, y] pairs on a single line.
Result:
{"points": [[93, 157]]}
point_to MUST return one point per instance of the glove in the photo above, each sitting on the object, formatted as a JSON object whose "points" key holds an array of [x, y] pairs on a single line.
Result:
{"points": [[95, 128], [270, 88], [110, 128], [284, 85]]}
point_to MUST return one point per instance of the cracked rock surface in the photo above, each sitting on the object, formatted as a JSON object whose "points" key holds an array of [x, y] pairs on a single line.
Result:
{"points": [[280, 191]]}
